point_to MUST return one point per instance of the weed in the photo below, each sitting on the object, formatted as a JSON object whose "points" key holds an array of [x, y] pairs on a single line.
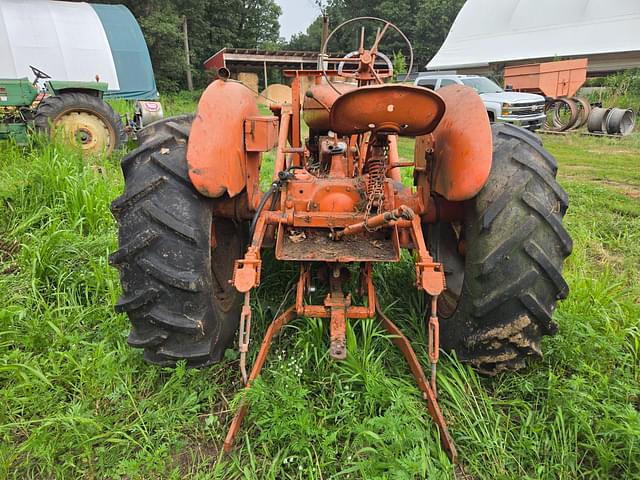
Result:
{"points": [[77, 402]]}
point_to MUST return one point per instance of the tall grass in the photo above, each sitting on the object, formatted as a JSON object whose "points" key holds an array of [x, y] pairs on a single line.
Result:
{"points": [[77, 402]]}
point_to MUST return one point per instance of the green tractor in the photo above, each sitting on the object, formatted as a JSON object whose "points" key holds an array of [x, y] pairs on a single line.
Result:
{"points": [[74, 110]]}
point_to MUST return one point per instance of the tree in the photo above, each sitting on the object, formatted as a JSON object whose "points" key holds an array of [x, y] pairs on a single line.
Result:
{"points": [[425, 23], [434, 20], [399, 66]]}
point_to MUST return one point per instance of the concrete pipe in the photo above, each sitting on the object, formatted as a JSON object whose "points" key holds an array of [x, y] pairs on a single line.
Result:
{"points": [[621, 121], [596, 123]]}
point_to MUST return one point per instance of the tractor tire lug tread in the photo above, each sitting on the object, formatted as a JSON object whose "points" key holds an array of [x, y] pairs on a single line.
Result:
{"points": [[142, 152], [547, 266], [181, 279], [181, 172], [490, 303], [496, 256], [166, 276], [136, 300], [511, 131], [143, 336], [547, 178], [143, 240], [540, 312], [515, 251], [178, 321], [130, 198], [554, 222], [166, 219]]}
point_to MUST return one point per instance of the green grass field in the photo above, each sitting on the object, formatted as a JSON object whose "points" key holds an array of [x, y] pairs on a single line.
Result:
{"points": [[77, 402]]}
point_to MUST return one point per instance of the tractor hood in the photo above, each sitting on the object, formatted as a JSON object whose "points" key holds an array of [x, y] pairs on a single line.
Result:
{"points": [[511, 97]]}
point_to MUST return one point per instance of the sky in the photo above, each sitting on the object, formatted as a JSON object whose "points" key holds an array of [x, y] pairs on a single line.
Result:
{"points": [[296, 16]]}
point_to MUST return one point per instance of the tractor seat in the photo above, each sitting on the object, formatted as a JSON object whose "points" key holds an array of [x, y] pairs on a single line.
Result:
{"points": [[393, 109]]}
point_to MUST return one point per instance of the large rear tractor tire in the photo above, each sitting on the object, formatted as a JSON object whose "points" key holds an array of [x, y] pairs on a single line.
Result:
{"points": [[503, 291], [83, 120], [175, 284]]}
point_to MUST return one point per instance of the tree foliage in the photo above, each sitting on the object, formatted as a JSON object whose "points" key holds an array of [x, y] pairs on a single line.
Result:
{"points": [[425, 23], [212, 25]]}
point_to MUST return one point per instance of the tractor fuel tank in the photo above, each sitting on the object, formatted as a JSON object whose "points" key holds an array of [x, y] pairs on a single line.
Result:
{"points": [[318, 101]]}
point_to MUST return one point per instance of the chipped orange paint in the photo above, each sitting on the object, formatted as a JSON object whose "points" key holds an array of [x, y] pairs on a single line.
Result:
{"points": [[216, 155]]}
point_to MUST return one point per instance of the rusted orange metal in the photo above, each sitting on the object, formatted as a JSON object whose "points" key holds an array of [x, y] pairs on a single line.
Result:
{"points": [[294, 133], [336, 305], [551, 79], [285, 123], [461, 145], [318, 101], [429, 274], [273, 329], [396, 109], [260, 133], [216, 154], [386, 219], [337, 198]]}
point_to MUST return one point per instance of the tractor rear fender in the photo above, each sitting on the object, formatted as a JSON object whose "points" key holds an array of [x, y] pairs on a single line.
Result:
{"points": [[462, 145], [56, 87], [216, 151]]}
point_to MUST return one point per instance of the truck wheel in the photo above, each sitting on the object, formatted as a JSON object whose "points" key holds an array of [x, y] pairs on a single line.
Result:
{"points": [[175, 284], [83, 120], [503, 291]]}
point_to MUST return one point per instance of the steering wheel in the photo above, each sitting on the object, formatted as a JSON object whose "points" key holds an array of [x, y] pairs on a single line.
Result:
{"points": [[356, 54], [364, 58], [40, 75]]}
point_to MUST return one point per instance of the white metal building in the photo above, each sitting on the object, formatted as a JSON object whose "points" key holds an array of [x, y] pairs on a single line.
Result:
{"points": [[490, 34], [76, 41]]}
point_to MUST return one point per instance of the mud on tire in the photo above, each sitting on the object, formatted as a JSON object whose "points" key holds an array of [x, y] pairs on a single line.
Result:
{"points": [[511, 278], [175, 285]]}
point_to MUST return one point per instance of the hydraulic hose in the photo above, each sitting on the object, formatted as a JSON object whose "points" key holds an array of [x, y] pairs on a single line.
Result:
{"points": [[283, 177], [263, 201]]}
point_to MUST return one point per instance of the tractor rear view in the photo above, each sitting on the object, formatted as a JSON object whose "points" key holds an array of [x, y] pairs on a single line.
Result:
{"points": [[483, 220]]}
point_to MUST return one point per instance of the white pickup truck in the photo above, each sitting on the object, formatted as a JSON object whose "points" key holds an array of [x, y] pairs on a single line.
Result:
{"points": [[524, 109]]}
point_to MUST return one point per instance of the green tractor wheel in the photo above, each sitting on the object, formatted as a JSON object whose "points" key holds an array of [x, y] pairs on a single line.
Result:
{"points": [[83, 120]]}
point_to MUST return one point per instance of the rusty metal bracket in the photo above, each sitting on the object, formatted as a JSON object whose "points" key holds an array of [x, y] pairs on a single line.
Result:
{"points": [[244, 334], [429, 274], [430, 277], [338, 304], [246, 273], [385, 219]]}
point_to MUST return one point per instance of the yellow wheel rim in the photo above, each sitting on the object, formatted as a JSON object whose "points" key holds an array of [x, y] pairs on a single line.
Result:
{"points": [[86, 130]]}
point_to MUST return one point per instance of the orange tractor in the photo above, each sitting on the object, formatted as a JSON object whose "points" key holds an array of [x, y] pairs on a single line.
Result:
{"points": [[483, 220]]}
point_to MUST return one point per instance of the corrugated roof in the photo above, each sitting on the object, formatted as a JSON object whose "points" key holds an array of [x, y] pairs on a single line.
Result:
{"points": [[494, 31]]}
